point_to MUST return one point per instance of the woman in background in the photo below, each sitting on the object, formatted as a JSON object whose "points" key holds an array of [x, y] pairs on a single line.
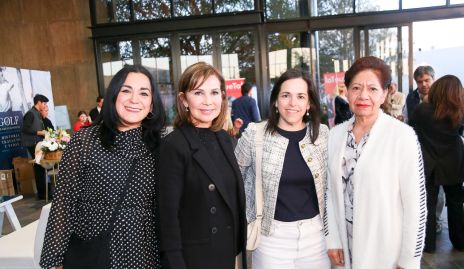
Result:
{"points": [[342, 108], [375, 193], [294, 164], [120, 148], [82, 121], [202, 202], [437, 124]]}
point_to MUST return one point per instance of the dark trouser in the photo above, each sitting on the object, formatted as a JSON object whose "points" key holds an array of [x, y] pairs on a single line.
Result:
{"points": [[39, 173], [454, 202]]}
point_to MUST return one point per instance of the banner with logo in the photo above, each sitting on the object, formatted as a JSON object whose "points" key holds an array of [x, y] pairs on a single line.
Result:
{"points": [[17, 90]]}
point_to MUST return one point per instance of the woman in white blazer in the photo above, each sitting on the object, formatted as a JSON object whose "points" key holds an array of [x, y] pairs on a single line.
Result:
{"points": [[376, 204], [294, 162]]}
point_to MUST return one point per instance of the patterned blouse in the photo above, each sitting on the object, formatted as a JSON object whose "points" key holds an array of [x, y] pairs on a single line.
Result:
{"points": [[350, 158], [90, 181]]}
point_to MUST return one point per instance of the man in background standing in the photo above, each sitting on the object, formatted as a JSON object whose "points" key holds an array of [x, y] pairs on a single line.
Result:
{"points": [[31, 133], [424, 77], [245, 107], [95, 112]]}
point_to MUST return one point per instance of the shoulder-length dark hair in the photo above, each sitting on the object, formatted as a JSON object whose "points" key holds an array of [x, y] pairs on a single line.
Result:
{"points": [[447, 98], [192, 78], [110, 121], [314, 103]]}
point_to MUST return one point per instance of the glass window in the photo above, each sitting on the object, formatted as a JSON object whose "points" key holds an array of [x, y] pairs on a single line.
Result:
{"points": [[114, 55], [286, 9], [112, 11], [224, 6], [288, 50], [422, 3], [150, 10], [383, 43], [453, 2], [374, 5], [333, 7], [195, 48], [336, 54], [404, 87], [155, 54], [435, 46], [238, 61], [190, 8]]}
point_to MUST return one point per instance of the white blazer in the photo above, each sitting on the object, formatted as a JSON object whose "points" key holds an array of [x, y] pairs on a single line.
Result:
{"points": [[389, 206]]}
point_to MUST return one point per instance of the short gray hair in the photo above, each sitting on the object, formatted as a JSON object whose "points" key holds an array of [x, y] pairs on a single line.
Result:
{"points": [[424, 70]]}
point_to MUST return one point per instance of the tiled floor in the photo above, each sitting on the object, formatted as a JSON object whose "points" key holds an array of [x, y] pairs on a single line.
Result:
{"points": [[28, 210]]}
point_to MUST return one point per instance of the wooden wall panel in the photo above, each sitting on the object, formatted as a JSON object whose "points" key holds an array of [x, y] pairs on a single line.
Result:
{"points": [[52, 35]]}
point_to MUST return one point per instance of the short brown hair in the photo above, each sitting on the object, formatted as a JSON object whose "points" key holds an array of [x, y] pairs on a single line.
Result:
{"points": [[379, 67], [192, 78], [447, 98]]}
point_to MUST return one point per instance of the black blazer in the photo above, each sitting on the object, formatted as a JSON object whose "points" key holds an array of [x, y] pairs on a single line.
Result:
{"points": [[442, 147], [190, 186]]}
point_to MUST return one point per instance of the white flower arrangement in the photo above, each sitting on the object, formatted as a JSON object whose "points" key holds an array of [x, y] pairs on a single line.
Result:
{"points": [[55, 140]]}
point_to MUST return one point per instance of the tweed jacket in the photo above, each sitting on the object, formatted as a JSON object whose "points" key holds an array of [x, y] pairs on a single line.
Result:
{"points": [[274, 148]]}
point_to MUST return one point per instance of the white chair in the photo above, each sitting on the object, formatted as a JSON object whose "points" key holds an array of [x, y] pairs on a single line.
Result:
{"points": [[21, 249]]}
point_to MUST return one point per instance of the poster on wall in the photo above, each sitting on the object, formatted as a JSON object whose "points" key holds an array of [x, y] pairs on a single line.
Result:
{"points": [[17, 90]]}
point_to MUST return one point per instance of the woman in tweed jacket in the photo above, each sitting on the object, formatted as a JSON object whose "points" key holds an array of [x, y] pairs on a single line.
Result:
{"points": [[293, 176]]}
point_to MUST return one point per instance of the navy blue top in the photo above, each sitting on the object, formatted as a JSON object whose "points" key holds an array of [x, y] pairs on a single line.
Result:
{"points": [[297, 198], [245, 108]]}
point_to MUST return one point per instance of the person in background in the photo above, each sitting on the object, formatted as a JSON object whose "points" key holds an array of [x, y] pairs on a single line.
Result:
{"points": [[82, 121], [202, 201], [394, 103], [245, 107], [32, 132], [46, 121], [424, 77], [294, 160], [376, 203], [342, 109], [95, 112], [121, 147], [437, 124]]}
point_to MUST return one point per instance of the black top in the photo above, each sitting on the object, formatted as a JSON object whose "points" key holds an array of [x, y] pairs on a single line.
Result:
{"points": [[342, 110], [209, 140], [412, 100], [297, 198], [442, 146], [90, 180], [47, 124]]}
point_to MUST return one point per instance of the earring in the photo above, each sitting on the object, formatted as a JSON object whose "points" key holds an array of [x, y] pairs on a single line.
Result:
{"points": [[187, 109], [277, 111], [307, 112], [150, 115]]}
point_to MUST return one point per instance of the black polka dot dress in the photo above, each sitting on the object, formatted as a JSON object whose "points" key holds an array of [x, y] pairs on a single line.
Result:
{"points": [[90, 180]]}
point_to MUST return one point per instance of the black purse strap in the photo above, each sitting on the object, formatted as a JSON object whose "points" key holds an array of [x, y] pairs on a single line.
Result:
{"points": [[117, 209]]}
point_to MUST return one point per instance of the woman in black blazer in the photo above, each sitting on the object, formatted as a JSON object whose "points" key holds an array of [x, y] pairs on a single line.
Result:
{"points": [[437, 125], [202, 201]]}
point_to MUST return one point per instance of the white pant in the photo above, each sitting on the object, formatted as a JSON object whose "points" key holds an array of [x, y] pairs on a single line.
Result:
{"points": [[293, 245]]}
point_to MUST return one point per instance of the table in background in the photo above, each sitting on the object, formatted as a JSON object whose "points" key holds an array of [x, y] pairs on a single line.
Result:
{"points": [[5, 206]]}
